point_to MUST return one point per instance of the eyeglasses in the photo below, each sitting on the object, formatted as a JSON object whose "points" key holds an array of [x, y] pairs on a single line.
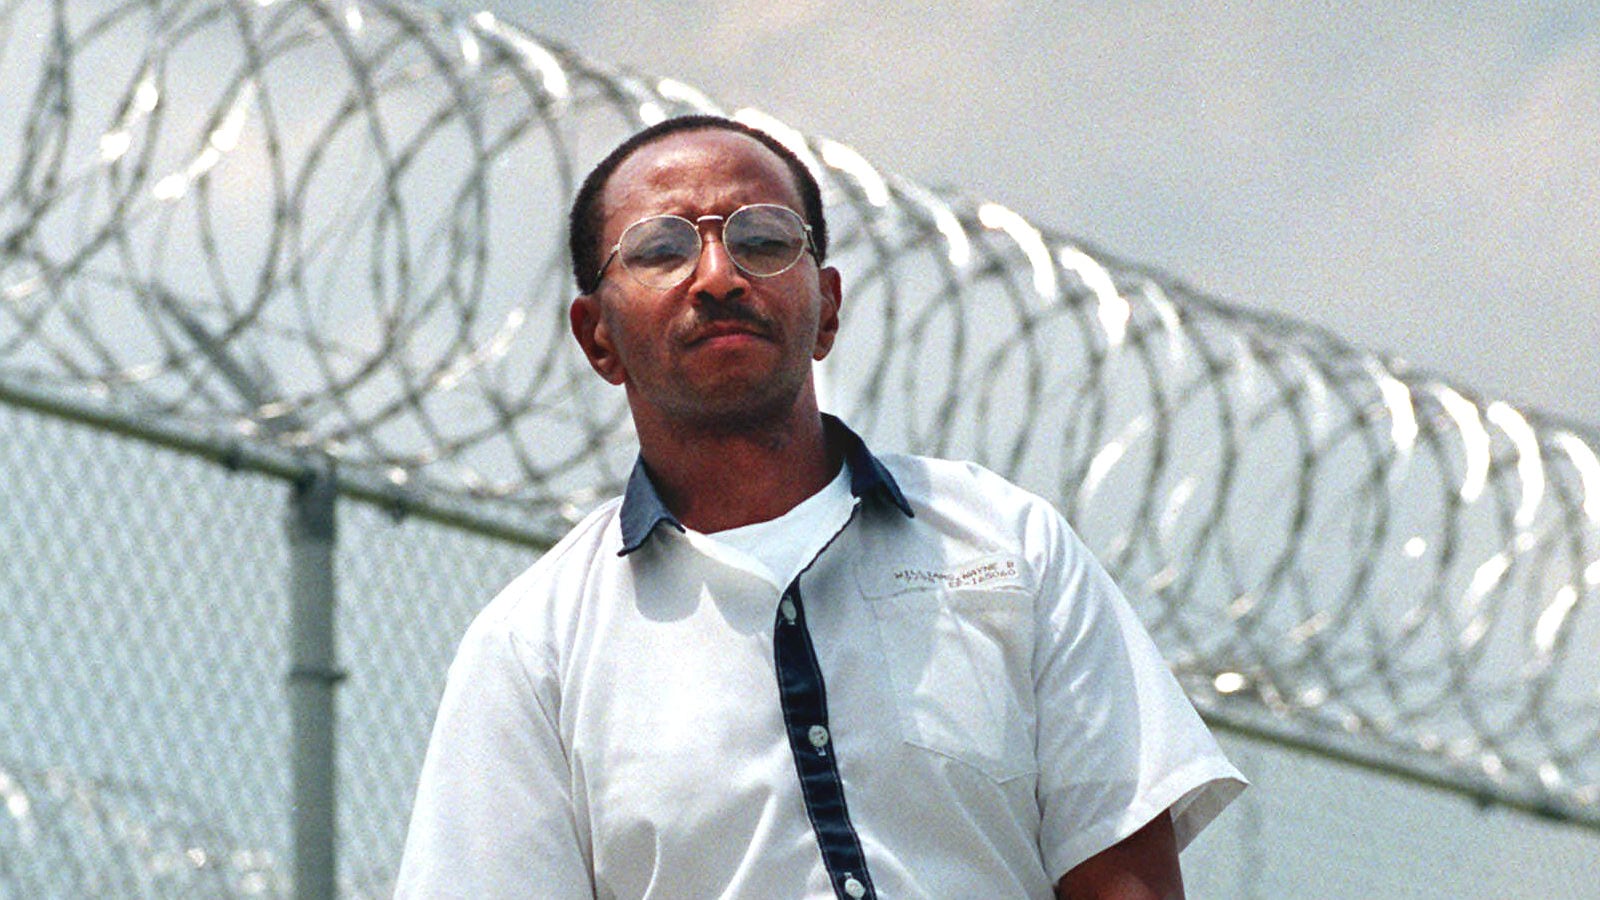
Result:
{"points": [[762, 239]]}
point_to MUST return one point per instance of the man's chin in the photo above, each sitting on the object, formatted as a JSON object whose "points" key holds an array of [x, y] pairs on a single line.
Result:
{"points": [[736, 406]]}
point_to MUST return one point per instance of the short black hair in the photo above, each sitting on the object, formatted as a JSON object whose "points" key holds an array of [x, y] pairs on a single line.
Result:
{"points": [[586, 220]]}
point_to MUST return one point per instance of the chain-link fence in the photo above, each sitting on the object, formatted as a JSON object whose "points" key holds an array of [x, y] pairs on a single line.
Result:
{"points": [[283, 235], [145, 748]]}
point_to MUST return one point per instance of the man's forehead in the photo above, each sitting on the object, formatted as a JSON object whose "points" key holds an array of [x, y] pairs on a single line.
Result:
{"points": [[698, 166]]}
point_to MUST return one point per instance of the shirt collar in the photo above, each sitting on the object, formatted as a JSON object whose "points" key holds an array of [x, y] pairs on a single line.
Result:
{"points": [[642, 509]]}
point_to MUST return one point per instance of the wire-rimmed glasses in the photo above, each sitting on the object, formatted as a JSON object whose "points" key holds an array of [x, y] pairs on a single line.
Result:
{"points": [[762, 239]]}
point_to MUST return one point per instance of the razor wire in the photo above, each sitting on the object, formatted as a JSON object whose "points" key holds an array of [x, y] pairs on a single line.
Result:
{"points": [[116, 840], [337, 227]]}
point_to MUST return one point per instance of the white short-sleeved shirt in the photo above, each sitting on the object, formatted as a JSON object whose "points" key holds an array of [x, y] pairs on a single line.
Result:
{"points": [[951, 700]]}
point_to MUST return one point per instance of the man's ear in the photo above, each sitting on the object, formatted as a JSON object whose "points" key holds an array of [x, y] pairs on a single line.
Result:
{"points": [[828, 286], [594, 336]]}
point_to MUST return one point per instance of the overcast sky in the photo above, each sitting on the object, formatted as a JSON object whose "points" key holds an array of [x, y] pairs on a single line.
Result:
{"points": [[1422, 178]]}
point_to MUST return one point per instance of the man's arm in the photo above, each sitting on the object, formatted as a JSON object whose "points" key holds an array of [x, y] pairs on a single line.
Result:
{"points": [[494, 814], [1143, 866], [1121, 750]]}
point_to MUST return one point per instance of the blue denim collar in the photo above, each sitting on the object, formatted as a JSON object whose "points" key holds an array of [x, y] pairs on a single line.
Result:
{"points": [[642, 509]]}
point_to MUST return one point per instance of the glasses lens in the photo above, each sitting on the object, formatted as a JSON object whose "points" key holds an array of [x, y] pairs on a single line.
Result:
{"points": [[660, 251], [764, 239]]}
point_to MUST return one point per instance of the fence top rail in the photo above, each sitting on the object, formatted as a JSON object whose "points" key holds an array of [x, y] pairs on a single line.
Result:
{"points": [[240, 454]]}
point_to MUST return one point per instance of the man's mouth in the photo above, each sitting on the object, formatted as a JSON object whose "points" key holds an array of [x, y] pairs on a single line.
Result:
{"points": [[727, 328]]}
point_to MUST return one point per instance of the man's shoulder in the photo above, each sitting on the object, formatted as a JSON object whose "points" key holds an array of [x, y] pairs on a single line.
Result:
{"points": [[955, 483], [959, 503]]}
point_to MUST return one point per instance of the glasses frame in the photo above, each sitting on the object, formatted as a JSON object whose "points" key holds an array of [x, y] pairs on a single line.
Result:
{"points": [[616, 249]]}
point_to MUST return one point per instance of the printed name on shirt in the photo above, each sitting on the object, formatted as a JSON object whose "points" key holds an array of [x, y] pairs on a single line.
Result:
{"points": [[973, 575]]}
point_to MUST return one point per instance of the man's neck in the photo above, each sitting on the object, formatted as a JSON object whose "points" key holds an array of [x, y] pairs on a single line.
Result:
{"points": [[715, 479]]}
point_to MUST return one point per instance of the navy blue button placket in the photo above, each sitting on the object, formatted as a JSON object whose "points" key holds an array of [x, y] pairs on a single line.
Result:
{"points": [[805, 715], [802, 693]]}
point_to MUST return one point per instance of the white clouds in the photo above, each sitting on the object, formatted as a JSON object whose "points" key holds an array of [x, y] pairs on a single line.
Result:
{"points": [[1539, 160], [1485, 233]]}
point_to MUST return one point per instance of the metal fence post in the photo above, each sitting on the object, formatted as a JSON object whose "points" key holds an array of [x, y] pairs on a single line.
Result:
{"points": [[314, 675]]}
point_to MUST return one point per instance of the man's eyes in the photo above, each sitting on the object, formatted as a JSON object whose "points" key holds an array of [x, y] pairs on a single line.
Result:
{"points": [[765, 244], [657, 253]]}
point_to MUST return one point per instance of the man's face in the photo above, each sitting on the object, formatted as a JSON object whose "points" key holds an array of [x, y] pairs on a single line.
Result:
{"points": [[722, 349]]}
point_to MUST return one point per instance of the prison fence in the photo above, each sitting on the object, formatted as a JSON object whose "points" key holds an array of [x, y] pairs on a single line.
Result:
{"points": [[148, 747], [285, 393]]}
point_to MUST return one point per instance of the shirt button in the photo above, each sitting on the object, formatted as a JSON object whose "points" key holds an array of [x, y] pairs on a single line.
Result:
{"points": [[818, 736], [855, 888], [788, 610]]}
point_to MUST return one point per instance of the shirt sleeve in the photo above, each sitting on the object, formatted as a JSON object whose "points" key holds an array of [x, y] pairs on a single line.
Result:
{"points": [[1118, 740], [493, 815]]}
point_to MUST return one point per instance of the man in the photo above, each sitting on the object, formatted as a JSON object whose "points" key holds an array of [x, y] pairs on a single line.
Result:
{"points": [[781, 666]]}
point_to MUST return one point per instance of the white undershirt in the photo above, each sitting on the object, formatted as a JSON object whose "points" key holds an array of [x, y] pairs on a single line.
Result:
{"points": [[786, 544]]}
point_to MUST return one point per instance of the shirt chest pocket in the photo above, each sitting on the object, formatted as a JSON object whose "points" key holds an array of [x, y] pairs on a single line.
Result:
{"points": [[958, 651]]}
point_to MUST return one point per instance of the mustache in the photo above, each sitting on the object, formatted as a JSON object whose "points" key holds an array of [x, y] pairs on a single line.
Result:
{"points": [[711, 312]]}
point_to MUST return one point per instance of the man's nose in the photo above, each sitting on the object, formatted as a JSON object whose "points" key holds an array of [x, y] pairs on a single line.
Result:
{"points": [[715, 276]]}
